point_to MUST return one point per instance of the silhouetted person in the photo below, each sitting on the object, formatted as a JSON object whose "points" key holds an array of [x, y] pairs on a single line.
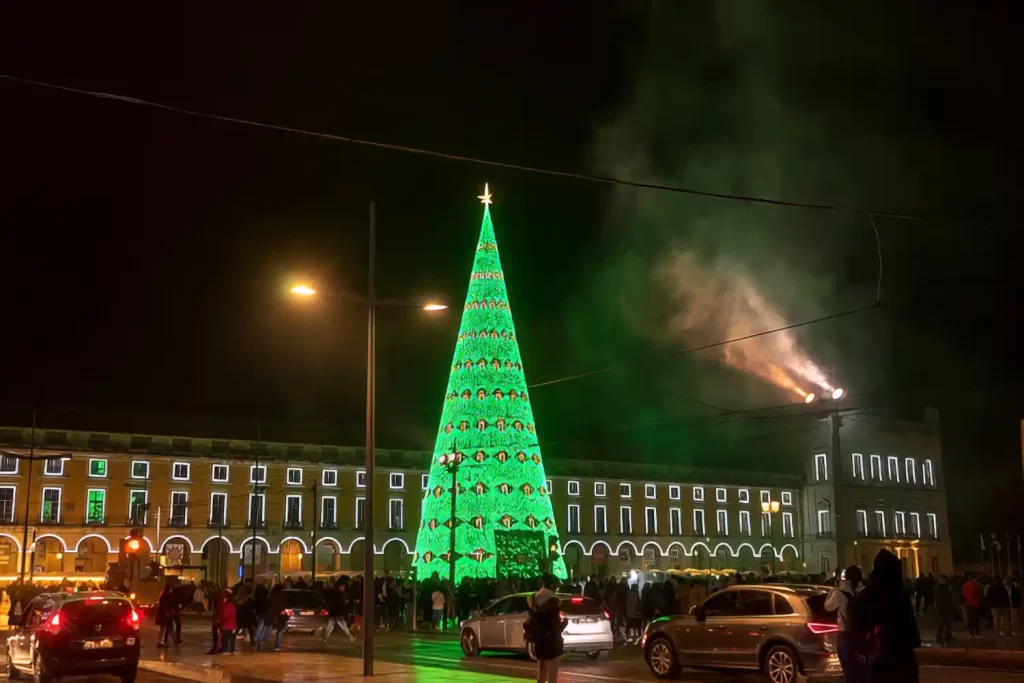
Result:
{"points": [[884, 628]]}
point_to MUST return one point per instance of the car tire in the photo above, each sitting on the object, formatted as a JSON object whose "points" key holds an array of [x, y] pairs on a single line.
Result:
{"points": [[597, 655], [12, 671], [781, 665], [39, 675], [531, 650], [662, 658], [128, 676], [470, 645]]}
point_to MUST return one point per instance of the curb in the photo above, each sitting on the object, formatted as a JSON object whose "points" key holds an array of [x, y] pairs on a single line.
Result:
{"points": [[192, 672]]}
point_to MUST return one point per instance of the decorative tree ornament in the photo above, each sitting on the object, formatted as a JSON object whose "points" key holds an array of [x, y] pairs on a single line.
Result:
{"points": [[497, 511]]}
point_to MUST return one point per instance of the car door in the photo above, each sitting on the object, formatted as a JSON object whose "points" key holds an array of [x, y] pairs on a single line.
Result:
{"points": [[492, 625], [515, 617], [702, 641], [23, 636], [754, 623]]}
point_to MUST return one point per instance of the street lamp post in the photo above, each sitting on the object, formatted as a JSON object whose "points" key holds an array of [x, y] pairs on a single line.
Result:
{"points": [[772, 508], [372, 303]]}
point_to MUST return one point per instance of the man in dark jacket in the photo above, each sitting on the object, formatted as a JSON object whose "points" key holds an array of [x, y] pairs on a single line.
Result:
{"points": [[884, 630], [999, 602], [544, 628], [590, 589], [944, 610]]}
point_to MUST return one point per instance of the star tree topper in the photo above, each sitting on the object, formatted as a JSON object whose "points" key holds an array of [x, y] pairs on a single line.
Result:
{"points": [[485, 198]]}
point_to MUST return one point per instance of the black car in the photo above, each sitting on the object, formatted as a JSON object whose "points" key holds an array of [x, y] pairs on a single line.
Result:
{"points": [[69, 634]]}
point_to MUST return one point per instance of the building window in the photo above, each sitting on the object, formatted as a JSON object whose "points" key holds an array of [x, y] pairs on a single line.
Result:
{"points": [[625, 490], [721, 495], [294, 476], [329, 512], [766, 524], [787, 498], [53, 467], [396, 481], [138, 507], [600, 519], [899, 523], [574, 519], [876, 468], [360, 513], [698, 494], [293, 512], [766, 496], [425, 481], [50, 512], [140, 469], [179, 508], [8, 464], [220, 474], [257, 509], [600, 489], [625, 520], [722, 522], [824, 528], [880, 523], [573, 488], [698, 523], [787, 525], [361, 479], [330, 478], [180, 471], [744, 522], [862, 523], [910, 467], [97, 468], [927, 473], [651, 521], [744, 495], [396, 514], [933, 525], [96, 506], [651, 492], [820, 467], [218, 508], [7, 503], [675, 522], [892, 463], [858, 466], [915, 524]]}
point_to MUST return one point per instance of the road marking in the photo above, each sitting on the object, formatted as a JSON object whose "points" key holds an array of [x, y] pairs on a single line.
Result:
{"points": [[561, 670], [1019, 672]]}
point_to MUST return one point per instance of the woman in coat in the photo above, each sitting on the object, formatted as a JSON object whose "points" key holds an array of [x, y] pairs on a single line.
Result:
{"points": [[544, 629]]}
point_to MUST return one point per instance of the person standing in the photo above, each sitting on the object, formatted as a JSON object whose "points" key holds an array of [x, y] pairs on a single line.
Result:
{"points": [[883, 629], [999, 602], [1014, 591], [972, 604], [944, 611], [167, 607], [437, 605], [840, 600], [634, 618], [590, 589], [544, 628]]}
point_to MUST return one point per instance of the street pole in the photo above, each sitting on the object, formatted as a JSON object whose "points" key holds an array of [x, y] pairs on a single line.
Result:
{"points": [[255, 499], [775, 556], [837, 485], [312, 578], [28, 497], [455, 496], [369, 623]]}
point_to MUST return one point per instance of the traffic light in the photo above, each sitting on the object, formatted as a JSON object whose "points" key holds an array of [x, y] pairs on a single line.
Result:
{"points": [[131, 547]]}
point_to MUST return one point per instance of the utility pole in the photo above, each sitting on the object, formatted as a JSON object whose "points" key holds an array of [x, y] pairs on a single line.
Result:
{"points": [[835, 422], [28, 497], [316, 521], [256, 518], [369, 594]]}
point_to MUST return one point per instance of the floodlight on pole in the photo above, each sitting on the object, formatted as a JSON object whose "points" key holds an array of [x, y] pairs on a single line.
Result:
{"points": [[435, 307], [303, 290], [837, 393], [809, 398]]}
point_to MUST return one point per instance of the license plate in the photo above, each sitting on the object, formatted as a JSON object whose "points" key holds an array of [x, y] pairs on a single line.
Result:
{"points": [[307, 613], [104, 644]]}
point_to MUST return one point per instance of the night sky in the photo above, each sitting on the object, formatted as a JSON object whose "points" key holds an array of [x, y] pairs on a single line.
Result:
{"points": [[146, 253]]}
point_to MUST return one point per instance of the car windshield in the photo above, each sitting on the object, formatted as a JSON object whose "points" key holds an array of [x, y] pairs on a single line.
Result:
{"points": [[579, 606], [302, 599], [816, 603], [102, 610]]}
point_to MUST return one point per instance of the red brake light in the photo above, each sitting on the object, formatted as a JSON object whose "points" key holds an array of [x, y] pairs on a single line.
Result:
{"points": [[577, 600], [820, 629], [287, 613], [606, 615], [562, 615], [53, 625], [324, 613], [133, 620]]}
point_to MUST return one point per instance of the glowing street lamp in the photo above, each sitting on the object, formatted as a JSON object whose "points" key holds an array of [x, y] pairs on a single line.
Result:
{"points": [[435, 307], [772, 508], [303, 290]]}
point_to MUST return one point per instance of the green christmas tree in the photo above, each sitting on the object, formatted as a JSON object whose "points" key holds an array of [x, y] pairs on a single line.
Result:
{"points": [[487, 444]]}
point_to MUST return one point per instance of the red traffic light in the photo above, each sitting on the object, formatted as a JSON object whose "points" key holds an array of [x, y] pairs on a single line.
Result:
{"points": [[132, 545]]}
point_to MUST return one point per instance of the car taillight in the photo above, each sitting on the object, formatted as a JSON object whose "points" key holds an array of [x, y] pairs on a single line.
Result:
{"points": [[577, 600], [324, 613], [288, 613], [563, 615], [53, 625], [606, 615], [133, 619], [819, 629]]}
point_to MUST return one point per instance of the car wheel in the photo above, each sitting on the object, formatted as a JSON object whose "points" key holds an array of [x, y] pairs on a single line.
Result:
{"points": [[12, 672], [128, 676], [593, 655], [531, 650], [780, 665], [662, 659], [38, 673], [469, 644]]}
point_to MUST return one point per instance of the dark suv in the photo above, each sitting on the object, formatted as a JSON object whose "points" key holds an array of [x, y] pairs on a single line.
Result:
{"points": [[75, 634], [782, 631]]}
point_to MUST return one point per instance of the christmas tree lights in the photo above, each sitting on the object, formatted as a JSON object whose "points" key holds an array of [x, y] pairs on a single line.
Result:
{"points": [[487, 445]]}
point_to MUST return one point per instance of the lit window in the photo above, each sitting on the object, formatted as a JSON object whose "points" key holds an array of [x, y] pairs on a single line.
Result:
{"points": [[766, 524], [858, 466], [361, 479], [180, 471], [329, 512], [651, 492], [915, 524], [53, 467], [574, 519], [698, 494], [722, 523], [625, 520], [927, 473], [425, 479], [218, 509], [766, 496], [698, 523], [8, 464], [744, 495], [876, 468], [862, 523], [787, 525], [294, 476], [900, 523], [293, 511], [329, 478], [138, 506], [257, 474], [219, 474], [910, 467], [880, 523], [396, 481], [721, 495], [96, 506], [97, 468], [744, 522], [893, 465], [824, 528], [651, 521], [820, 467], [257, 509], [396, 514], [787, 498], [140, 469], [360, 513], [933, 525], [179, 508], [599, 489], [50, 511], [574, 488], [675, 522], [600, 519], [625, 490]]}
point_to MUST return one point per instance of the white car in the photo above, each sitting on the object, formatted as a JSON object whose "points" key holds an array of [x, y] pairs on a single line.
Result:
{"points": [[500, 626]]}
